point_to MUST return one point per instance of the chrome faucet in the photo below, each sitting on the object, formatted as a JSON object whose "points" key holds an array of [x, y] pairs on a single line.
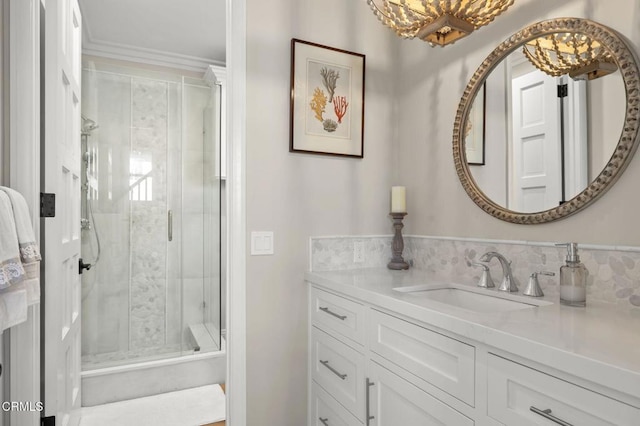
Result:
{"points": [[508, 283]]}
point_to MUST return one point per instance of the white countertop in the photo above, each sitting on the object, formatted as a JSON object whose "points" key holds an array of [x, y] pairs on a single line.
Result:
{"points": [[600, 343]]}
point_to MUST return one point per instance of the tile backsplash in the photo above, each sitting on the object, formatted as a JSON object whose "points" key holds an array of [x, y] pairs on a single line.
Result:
{"points": [[614, 272]]}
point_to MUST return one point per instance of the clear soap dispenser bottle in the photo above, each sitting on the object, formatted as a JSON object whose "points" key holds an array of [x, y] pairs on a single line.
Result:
{"points": [[573, 278]]}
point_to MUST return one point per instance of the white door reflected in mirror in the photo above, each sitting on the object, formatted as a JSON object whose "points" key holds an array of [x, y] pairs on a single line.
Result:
{"points": [[543, 138]]}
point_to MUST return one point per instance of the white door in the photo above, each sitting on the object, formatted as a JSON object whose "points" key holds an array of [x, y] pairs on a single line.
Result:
{"points": [[62, 232], [536, 143], [394, 401]]}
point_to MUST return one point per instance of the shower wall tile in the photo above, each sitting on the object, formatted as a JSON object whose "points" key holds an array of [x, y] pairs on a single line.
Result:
{"points": [[106, 285], [148, 273], [149, 103], [149, 121], [192, 247], [192, 302], [192, 182], [174, 325]]}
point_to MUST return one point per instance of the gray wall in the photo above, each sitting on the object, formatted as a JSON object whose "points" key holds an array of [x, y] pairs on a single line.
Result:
{"points": [[412, 93], [299, 195], [434, 80]]}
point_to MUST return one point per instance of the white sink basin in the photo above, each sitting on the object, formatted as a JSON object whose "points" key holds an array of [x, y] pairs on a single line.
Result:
{"points": [[473, 299]]}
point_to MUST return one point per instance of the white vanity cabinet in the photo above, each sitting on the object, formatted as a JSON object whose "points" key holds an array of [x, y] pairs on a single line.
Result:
{"points": [[372, 366], [362, 364]]}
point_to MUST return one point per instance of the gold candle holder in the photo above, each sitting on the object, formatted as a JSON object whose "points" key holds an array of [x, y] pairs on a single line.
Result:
{"points": [[397, 246]]}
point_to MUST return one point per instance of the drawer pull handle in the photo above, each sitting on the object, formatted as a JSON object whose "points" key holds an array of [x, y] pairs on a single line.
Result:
{"points": [[367, 408], [325, 422], [547, 415], [327, 310], [333, 370]]}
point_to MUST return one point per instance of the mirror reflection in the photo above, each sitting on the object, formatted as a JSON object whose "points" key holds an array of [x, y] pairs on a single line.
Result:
{"points": [[545, 122]]}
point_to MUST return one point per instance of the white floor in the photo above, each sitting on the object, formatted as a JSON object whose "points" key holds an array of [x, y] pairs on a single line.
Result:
{"points": [[190, 407]]}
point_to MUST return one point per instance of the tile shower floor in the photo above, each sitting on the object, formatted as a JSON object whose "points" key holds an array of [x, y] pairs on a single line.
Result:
{"points": [[190, 407]]}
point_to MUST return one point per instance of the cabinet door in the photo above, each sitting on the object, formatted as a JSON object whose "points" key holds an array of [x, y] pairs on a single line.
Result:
{"points": [[393, 401]]}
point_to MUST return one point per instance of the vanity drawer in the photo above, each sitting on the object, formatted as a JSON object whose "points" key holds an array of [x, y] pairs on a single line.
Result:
{"points": [[513, 389], [326, 411], [339, 369], [338, 314], [440, 360]]}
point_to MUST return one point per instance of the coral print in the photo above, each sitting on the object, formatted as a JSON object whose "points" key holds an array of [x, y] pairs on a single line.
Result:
{"points": [[318, 103], [329, 80], [329, 91], [340, 105]]}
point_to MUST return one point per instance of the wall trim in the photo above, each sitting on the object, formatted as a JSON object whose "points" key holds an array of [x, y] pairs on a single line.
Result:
{"points": [[236, 213], [598, 247], [24, 176], [146, 56]]}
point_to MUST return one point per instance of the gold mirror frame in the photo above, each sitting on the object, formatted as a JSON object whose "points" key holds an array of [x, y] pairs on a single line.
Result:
{"points": [[623, 153]]}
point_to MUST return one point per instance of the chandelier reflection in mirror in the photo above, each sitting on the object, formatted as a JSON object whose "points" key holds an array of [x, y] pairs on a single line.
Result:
{"points": [[569, 53], [438, 22]]}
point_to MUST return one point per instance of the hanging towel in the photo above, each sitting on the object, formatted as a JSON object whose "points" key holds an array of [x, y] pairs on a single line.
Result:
{"points": [[13, 308], [29, 251], [11, 269]]}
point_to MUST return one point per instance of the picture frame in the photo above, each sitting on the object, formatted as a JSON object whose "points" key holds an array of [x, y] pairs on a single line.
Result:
{"points": [[327, 100], [475, 130]]}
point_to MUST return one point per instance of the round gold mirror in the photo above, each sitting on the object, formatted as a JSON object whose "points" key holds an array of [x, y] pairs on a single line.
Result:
{"points": [[548, 122]]}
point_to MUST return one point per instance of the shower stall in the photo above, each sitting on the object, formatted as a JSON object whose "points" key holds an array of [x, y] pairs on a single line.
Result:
{"points": [[151, 231]]}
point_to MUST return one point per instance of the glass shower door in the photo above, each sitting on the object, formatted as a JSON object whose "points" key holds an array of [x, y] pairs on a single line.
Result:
{"points": [[152, 198], [201, 218]]}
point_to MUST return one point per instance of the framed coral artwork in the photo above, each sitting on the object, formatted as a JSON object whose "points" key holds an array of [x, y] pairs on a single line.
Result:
{"points": [[327, 100]]}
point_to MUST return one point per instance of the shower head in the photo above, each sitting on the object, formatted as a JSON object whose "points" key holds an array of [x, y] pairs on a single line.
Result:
{"points": [[88, 125]]}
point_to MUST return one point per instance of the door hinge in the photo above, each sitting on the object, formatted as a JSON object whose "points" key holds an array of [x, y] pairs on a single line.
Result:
{"points": [[47, 205], [563, 90], [48, 421]]}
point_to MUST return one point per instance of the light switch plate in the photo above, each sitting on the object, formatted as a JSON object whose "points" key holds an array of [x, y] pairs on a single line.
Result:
{"points": [[261, 243]]}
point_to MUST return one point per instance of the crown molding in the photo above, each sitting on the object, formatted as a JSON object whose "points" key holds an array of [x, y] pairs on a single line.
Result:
{"points": [[147, 56]]}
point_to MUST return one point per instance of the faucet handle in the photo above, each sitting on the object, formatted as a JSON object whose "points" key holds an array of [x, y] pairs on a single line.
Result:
{"points": [[485, 280], [533, 287]]}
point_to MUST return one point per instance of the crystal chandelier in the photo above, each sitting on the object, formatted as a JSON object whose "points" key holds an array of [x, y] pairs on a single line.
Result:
{"points": [[439, 22], [569, 53]]}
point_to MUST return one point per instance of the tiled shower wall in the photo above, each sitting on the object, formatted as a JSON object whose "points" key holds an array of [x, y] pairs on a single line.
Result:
{"points": [[148, 244], [614, 272]]}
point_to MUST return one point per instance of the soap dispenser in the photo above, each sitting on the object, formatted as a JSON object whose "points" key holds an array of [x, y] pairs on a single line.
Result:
{"points": [[573, 278]]}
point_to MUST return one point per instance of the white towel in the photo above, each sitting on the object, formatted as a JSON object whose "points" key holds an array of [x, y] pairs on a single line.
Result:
{"points": [[11, 269], [13, 308], [29, 251]]}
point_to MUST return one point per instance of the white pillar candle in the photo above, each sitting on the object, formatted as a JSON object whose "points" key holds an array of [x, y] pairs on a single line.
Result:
{"points": [[398, 199]]}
